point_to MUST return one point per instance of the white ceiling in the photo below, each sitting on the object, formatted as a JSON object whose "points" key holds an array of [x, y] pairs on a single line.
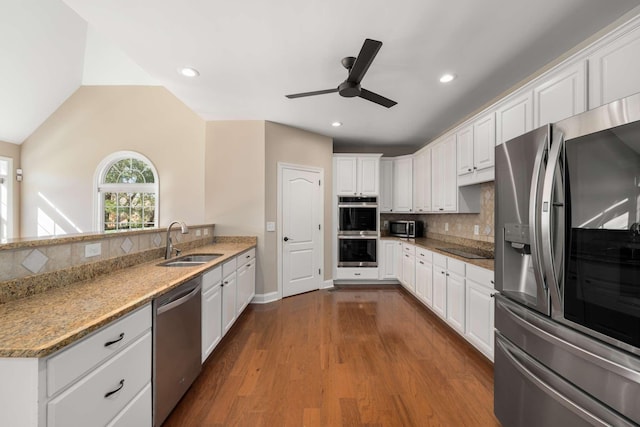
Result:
{"points": [[251, 53]]}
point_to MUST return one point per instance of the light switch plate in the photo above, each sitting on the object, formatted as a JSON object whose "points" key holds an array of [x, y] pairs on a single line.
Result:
{"points": [[446, 226], [206, 231], [476, 230], [198, 232], [271, 226]]}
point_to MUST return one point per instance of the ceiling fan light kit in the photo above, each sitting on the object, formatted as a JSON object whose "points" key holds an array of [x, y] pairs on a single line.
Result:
{"points": [[357, 67]]}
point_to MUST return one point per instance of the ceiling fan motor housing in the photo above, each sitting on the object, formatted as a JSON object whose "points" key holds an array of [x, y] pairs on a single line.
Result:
{"points": [[349, 89]]}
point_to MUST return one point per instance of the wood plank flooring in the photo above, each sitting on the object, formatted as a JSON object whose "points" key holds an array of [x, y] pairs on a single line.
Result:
{"points": [[345, 357]]}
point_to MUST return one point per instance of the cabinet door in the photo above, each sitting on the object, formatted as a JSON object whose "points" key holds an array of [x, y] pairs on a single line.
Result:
{"points": [[403, 184], [229, 295], [449, 184], [614, 70], [388, 262], [399, 256], [422, 181], [243, 288], [484, 142], [386, 185], [514, 118], [561, 95], [465, 151], [440, 291], [424, 281], [409, 272], [479, 317], [346, 176], [211, 320], [368, 176], [455, 301]]}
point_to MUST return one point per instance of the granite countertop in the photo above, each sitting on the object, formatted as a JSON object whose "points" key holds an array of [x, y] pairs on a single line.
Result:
{"points": [[39, 325], [433, 245]]}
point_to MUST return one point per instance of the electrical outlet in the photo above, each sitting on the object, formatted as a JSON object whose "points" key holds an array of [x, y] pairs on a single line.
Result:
{"points": [[92, 249], [271, 226], [198, 232], [206, 231], [476, 230], [446, 226], [385, 224]]}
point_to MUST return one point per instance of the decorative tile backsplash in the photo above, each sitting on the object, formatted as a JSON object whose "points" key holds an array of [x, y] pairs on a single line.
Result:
{"points": [[458, 225]]}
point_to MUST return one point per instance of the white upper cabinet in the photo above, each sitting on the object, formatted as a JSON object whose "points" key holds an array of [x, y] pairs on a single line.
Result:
{"points": [[403, 184], [357, 175], [563, 94], [422, 181], [385, 202], [614, 70], [476, 147], [514, 118], [444, 189]]}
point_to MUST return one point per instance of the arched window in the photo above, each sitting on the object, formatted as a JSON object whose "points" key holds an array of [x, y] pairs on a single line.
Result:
{"points": [[127, 188]]}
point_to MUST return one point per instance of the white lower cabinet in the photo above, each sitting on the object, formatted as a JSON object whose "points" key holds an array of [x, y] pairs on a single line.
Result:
{"points": [[440, 285], [479, 307], [455, 294], [137, 413], [409, 267], [424, 276], [211, 310], [246, 277], [389, 251], [229, 294]]}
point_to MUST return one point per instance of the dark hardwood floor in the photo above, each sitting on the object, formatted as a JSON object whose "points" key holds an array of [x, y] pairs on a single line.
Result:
{"points": [[345, 357]]}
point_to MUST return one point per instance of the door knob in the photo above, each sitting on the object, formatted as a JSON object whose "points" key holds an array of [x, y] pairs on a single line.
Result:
{"points": [[286, 239]]}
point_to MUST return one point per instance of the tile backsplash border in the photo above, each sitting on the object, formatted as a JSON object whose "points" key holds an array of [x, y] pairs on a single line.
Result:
{"points": [[65, 261]]}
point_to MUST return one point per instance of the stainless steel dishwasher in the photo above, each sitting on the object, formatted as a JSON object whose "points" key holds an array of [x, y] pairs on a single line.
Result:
{"points": [[176, 346]]}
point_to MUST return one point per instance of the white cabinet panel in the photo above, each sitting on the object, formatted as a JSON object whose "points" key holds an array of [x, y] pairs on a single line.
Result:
{"points": [[561, 95], [409, 272], [357, 175], [211, 319], [614, 70], [403, 184], [422, 181], [229, 296], [444, 190], [484, 142], [465, 150], [385, 202], [439, 291], [455, 301], [346, 176], [138, 413], [514, 118], [389, 259], [480, 317], [475, 151], [424, 281], [368, 176]]}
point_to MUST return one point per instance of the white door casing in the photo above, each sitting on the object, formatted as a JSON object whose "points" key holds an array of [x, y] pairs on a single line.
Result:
{"points": [[300, 223]]}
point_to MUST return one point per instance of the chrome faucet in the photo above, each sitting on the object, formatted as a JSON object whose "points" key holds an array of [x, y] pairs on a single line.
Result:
{"points": [[169, 250]]}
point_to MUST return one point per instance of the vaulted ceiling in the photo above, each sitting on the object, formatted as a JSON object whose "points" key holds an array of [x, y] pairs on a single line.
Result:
{"points": [[251, 53]]}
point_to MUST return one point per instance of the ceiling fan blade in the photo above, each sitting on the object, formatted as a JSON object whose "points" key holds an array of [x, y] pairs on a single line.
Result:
{"points": [[317, 92], [378, 99], [369, 51]]}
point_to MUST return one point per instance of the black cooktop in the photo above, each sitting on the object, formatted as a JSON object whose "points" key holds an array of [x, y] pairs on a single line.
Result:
{"points": [[468, 253]]}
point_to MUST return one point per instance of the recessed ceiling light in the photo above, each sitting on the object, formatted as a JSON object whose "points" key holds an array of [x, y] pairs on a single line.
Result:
{"points": [[189, 72], [336, 124], [446, 78]]}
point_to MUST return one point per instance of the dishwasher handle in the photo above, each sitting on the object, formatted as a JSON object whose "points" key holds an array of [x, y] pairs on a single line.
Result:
{"points": [[181, 299]]}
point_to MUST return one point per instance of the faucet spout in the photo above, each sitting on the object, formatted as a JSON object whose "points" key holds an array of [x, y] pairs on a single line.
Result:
{"points": [[169, 249]]}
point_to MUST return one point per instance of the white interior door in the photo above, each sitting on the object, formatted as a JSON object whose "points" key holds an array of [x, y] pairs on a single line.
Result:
{"points": [[301, 234]]}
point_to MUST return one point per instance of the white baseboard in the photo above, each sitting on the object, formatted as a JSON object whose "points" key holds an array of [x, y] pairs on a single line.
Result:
{"points": [[327, 284], [265, 298]]}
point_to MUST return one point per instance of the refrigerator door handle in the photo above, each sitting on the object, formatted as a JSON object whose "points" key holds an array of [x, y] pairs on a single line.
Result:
{"points": [[557, 388], [552, 257], [535, 197]]}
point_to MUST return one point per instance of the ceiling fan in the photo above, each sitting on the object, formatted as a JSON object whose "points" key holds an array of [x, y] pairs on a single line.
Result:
{"points": [[357, 68]]}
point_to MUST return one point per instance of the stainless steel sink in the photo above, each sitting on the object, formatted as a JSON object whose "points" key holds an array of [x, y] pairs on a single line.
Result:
{"points": [[189, 260]]}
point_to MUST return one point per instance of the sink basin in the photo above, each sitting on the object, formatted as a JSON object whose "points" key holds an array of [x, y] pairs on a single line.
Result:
{"points": [[189, 260]]}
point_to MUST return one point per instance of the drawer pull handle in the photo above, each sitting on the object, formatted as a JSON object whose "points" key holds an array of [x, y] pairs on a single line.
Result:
{"points": [[112, 392], [356, 274], [120, 338], [248, 256]]}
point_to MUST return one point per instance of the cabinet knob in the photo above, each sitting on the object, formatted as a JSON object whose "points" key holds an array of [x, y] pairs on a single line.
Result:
{"points": [[474, 168], [440, 209], [469, 170], [493, 295]]}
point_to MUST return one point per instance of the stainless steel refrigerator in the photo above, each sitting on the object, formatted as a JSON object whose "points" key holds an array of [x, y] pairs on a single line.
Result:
{"points": [[567, 312]]}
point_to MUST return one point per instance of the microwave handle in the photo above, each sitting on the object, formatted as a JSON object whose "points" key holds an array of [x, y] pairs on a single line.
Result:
{"points": [[552, 214]]}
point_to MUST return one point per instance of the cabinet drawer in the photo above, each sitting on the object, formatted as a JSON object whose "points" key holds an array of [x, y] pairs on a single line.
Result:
{"points": [[456, 266], [100, 396], [408, 249], [424, 255], [480, 275], [357, 273], [440, 260], [137, 413], [246, 256], [210, 278], [71, 363], [229, 267]]}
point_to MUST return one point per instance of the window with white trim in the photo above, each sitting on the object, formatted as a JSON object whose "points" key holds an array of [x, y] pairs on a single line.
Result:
{"points": [[127, 188]]}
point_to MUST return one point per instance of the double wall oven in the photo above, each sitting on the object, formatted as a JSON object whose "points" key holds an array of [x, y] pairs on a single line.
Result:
{"points": [[357, 232]]}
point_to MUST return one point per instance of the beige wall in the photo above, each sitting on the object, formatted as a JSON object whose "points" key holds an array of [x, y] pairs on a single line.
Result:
{"points": [[290, 145], [12, 151], [60, 158], [234, 184]]}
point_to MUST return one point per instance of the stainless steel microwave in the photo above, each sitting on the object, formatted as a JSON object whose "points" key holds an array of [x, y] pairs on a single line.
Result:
{"points": [[407, 229]]}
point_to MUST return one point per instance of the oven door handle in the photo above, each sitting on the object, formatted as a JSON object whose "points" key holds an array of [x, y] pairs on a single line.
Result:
{"points": [[357, 237]]}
